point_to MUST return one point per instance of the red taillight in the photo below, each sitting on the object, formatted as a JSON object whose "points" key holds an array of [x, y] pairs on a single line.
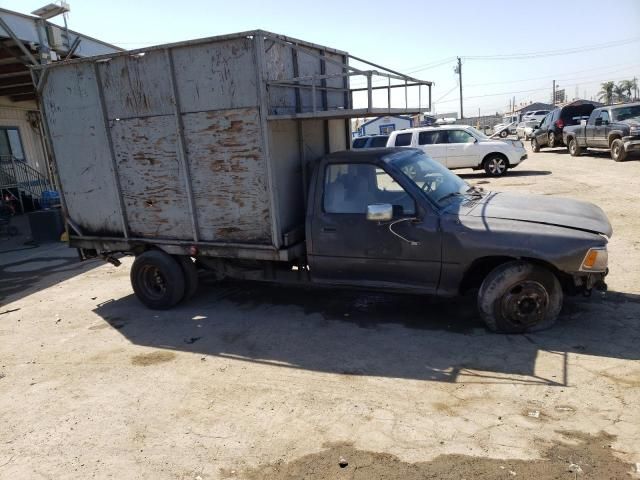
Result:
{"points": [[560, 123]]}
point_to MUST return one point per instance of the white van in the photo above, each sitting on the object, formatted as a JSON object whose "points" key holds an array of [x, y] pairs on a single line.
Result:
{"points": [[461, 146]]}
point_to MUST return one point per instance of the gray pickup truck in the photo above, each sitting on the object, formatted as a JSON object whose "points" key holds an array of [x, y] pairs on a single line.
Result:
{"points": [[615, 128], [217, 154]]}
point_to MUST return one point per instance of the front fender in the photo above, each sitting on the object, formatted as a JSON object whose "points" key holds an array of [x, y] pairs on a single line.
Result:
{"points": [[466, 239]]}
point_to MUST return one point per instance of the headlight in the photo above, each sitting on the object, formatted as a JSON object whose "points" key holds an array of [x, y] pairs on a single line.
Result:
{"points": [[596, 260], [634, 130]]}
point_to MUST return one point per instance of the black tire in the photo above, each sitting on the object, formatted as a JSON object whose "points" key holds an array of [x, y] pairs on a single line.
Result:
{"points": [[504, 133], [535, 146], [519, 297], [157, 280], [190, 273], [574, 149], [552, 139], [12, 231], [495, 165], [618, 153]]}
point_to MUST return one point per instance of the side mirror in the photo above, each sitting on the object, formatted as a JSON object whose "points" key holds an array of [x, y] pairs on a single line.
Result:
{"points": [[598, 121], [606, 122], [380, 212]]}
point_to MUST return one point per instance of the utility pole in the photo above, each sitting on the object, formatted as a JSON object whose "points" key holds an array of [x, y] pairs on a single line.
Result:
{"points": [[553, 99], [458, 70]]}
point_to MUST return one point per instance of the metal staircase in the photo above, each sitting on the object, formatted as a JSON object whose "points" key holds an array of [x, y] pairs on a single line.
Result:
{"points": [[22, 183]]}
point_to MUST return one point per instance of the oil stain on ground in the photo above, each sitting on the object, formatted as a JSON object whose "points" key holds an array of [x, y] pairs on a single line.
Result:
{"points": [[585, 457], [153, 358]]}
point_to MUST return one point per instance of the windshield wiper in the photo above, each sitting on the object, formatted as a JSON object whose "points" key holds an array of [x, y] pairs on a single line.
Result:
{"points": [[449, 195]]}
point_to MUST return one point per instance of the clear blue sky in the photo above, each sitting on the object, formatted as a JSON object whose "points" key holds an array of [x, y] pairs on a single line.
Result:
{"points": [[405, 36]]}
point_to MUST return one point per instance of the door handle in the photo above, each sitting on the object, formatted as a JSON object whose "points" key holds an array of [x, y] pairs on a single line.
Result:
{"points": [[328, 229]]}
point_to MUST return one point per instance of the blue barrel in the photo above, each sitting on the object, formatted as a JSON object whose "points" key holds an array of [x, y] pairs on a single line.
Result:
{"points": [[50, 198]]}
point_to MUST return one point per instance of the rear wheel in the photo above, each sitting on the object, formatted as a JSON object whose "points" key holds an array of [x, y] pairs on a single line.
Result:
{"points": [[535, 146], [574, 149], [157, 279], [519, 297], [495, 165], [504, 133], [190, 273], [618, 152]]}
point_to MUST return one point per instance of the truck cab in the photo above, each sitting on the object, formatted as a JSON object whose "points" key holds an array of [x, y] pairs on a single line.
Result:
{"points": [[614, 127], [394, 219]]}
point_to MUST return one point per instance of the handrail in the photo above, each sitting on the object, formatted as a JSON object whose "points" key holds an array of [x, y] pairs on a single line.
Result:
{"points": [[17, 175]]}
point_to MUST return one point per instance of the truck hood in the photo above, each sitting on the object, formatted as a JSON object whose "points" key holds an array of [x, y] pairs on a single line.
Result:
{"points": [[561, 212]]}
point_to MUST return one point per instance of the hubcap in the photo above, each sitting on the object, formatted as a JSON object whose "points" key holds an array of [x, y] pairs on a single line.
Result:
{"points": [[525, 304], [616, 150], [153, 282], [496, 166]]}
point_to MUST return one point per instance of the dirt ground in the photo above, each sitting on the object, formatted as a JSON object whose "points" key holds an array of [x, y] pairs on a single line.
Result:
{"points": [[257, 382]]}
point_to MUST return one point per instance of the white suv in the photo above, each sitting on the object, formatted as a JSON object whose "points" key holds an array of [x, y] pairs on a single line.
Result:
{"points": [[461, 146]]}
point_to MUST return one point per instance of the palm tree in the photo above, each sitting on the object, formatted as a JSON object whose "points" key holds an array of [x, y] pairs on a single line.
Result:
{"points": [[627, 86], [606, 92], [633, 85], [618, 92]]}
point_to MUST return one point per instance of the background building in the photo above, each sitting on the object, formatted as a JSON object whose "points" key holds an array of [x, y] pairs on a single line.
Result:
{"points": [[25, 41]]}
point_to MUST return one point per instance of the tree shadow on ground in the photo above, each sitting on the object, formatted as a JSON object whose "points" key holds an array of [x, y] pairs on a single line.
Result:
{"points": [[373, 334]]}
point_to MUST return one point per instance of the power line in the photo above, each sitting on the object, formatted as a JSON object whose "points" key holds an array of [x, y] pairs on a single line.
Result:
{"points": [[553, 53], [556, 76]]}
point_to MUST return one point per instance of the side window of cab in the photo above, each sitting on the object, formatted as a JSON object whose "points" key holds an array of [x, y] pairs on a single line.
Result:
{"points": [[351, 187]]}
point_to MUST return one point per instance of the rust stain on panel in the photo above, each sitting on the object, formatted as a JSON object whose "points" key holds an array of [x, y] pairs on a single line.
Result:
{"points": [[228, 170], [151, 178]]}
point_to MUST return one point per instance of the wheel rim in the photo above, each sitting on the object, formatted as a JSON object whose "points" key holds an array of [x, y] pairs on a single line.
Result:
{"points": [[572, 146], [616, 150], [552, 139], [525, 304], [154, 284], [497, 166], [534, 143]]}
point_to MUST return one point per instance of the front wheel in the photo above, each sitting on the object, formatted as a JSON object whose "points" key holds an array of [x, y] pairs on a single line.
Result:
{"points": [[574, 149], [618, 152], [503, 134], [157, 279], [519, 297], [496, 166], [552, 139], [535, 146]]}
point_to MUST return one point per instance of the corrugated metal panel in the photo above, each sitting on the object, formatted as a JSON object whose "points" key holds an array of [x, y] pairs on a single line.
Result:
{"points": [[81, 148], [216, 75], [228, 170], [150, 177]]}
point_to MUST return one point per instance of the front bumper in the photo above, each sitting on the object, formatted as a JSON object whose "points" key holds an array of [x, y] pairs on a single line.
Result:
{"points": [[586, 282], [631, 144], [521, 157]]}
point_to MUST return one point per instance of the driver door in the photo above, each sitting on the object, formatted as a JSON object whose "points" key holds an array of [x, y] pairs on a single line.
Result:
{"points": [[346, 248], [462, 150]]}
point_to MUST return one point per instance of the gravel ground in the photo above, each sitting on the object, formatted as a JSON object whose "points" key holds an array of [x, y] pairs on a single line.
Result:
{"points": [[251, 381]]}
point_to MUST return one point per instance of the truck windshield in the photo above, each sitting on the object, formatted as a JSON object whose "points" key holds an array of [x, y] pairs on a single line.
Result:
{"points": [[434, 179], [625, 113]]}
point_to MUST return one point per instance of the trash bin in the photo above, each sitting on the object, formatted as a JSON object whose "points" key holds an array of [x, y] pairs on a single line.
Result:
{"points": [[46, 225]]}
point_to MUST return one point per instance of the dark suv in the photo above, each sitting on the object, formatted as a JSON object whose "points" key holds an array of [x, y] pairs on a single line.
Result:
{"points": [[370, 141], [549, 133]]}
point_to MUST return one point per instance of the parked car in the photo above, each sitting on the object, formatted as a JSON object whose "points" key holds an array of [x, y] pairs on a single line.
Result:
{"points": [[549, 134], [615, 127], [370, 141], [503, 130], [525, 128], [535, 115], [461, 146]]}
